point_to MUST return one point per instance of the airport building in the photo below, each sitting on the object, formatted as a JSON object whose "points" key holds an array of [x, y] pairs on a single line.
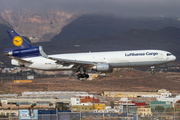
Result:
{"points": [[6, 96], [53, 94], [166, 98], [45, 101], [137, 94]]}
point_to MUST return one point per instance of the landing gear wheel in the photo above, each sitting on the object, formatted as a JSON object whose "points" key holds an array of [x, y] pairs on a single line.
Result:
{"points": [[87, 76], [83, 76], [152, 72], [79, 75], [82, 73], [152, 68]]}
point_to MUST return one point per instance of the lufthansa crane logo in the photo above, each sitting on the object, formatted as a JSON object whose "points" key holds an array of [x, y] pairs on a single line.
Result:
{"points": [[17, 41]]}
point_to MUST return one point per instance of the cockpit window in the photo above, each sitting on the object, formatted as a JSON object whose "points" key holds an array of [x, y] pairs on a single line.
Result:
{"points": [[169, 54]]}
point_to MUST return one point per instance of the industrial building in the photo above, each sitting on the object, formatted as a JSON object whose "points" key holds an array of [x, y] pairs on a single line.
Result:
{"points": [[136, 94], [45, 101], [5, 96], [53, 94]]}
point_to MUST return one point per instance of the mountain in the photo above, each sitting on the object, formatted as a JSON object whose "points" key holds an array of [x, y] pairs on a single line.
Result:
{"points": [[58, 25], [170, 32], [4, 38], [35, 24], [95, 25], [138, 39], [4, 26]]}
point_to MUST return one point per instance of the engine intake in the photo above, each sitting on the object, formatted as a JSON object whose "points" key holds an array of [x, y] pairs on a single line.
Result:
{"points": [[102, 67]]}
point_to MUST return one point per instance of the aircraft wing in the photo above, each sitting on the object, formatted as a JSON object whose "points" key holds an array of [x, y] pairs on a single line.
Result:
{"points": [[21, 60], [64, 61]]}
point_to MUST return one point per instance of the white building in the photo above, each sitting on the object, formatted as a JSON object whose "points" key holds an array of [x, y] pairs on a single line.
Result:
{"points": [[77, 101], [160, 93], [169, 99], [53, 93]]}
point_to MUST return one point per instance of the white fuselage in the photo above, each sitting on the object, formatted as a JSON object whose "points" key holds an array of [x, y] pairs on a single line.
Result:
{"points": [[116, 59]]}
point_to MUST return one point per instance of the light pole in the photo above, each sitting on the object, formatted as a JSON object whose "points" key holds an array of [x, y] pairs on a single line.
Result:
{"points": [[80, 112], [57, 113], [127, 107], [174, 108]]}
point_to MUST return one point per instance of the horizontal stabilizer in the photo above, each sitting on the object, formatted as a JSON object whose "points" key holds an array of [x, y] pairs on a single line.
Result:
{"points": [[21, 60]]}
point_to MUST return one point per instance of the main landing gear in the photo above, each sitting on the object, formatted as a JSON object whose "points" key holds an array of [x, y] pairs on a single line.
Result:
{"points": [[83, 76], [152, 68], [82, 73]]}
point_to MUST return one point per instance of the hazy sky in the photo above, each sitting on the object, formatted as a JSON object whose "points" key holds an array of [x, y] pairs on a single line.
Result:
{"points": [[116, 7]]}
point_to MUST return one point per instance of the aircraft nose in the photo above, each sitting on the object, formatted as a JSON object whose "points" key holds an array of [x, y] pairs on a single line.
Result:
{"points": [[173, 57]]}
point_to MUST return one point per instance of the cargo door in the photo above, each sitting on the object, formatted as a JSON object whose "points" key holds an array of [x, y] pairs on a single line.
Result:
{"points": [[160, 55]]}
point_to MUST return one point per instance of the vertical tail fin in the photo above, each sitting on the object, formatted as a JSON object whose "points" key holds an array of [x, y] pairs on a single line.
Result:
{"points": [[22, 48], [18, 41]]}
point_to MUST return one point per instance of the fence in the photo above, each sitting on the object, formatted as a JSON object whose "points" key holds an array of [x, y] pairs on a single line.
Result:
{"points": [[102, 116], [76, 116], [154, 111]]}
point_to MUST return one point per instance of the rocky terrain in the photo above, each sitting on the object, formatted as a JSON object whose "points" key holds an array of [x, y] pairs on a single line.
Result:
{"points": [[38, 25], [123, 80]]}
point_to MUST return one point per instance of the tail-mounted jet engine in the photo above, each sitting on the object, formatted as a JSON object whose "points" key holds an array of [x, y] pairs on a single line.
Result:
{"points": [[32, 51]]}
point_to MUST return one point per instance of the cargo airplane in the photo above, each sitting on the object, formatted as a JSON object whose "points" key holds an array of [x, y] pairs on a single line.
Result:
{"points": [[23, 54]]}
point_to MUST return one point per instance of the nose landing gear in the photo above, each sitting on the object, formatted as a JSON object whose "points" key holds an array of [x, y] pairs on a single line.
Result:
{"points": [[152, 72], [152, 68]]}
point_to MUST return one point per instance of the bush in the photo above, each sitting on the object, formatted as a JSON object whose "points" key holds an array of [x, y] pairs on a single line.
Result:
{"points": [[152, 110], [159, 108], [50, 104], [169, 109]]}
